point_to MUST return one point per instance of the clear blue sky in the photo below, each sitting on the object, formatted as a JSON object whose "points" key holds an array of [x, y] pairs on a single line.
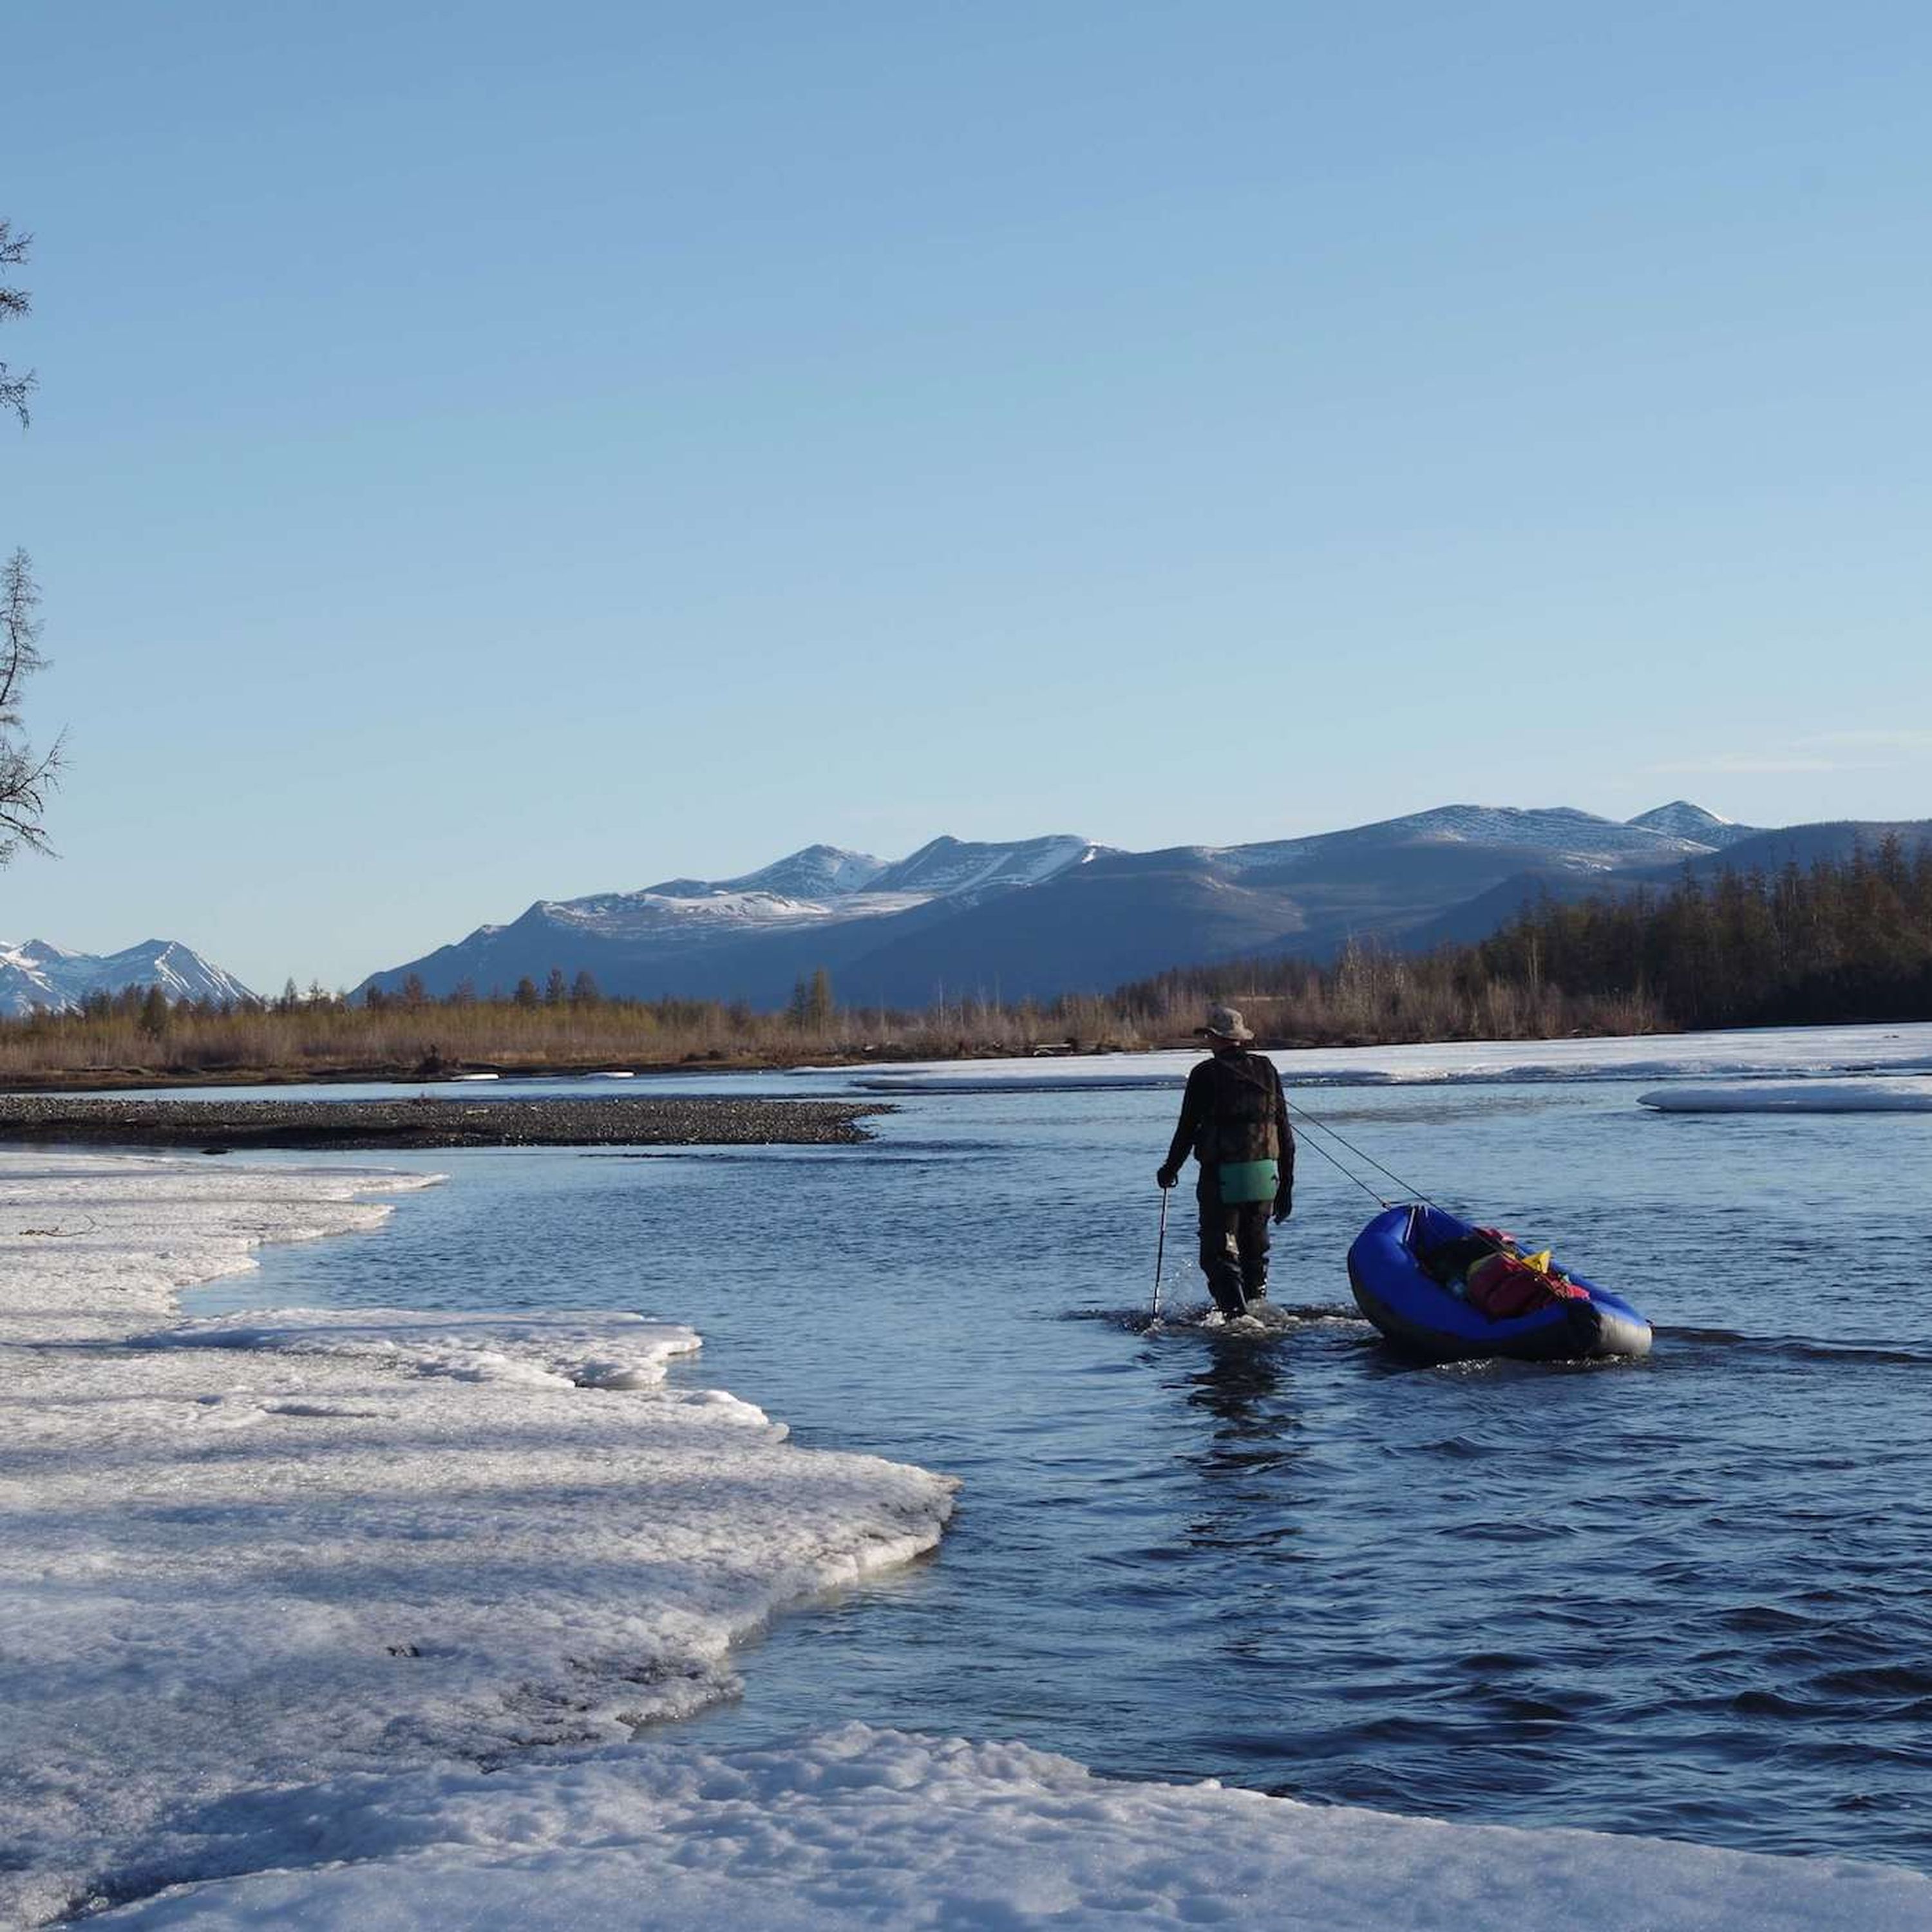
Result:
{"points": [[490, 452]]}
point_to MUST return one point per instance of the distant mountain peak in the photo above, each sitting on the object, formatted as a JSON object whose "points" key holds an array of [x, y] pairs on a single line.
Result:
{"points": [[946, 865], [1681, 819], [41, 952], [39, 974], [1501, 824], [815, 871]]}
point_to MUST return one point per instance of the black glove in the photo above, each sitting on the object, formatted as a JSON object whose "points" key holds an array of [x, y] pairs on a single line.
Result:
{"points": [[1167, 1177], [1284, 1206]]}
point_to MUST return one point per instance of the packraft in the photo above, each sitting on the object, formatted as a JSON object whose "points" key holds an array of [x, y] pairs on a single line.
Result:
{"points": [[1443, 1290]]}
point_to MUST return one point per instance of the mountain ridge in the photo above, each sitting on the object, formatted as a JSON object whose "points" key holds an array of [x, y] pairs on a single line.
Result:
{"points": [[1037, 917]]}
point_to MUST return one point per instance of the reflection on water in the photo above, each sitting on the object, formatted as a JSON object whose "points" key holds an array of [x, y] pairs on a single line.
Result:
{"points": [[1235, 1387], [1681, 1596]]}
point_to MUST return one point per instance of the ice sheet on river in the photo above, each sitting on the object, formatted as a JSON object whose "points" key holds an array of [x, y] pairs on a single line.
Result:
{"points": [[255, 1551], [1752, 1053], [859, 1827], [347, 1619]]}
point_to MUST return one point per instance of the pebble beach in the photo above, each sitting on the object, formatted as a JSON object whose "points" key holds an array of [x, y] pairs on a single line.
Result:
{"points": [[430, 1121]]}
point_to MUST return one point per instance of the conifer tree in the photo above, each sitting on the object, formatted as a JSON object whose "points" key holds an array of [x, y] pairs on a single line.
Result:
{"points": [[155, 1014]]}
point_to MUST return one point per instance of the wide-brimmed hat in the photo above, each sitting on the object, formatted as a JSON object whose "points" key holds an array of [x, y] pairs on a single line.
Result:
{"points": [[1224, 1023]]}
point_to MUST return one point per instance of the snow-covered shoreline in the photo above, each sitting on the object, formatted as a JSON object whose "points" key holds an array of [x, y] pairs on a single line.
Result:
{"points": [[322, 1619], [241, 1556]]}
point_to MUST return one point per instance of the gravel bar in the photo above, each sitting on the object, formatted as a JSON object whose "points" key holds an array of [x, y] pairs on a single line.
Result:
{"points": [[430, 1121]]}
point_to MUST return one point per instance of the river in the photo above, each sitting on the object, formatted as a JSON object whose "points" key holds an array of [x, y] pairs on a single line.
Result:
{"points": [[1684, 1596]]}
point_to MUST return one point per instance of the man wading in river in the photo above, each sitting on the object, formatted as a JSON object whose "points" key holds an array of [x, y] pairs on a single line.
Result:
{"points": [[1234, 1119]]}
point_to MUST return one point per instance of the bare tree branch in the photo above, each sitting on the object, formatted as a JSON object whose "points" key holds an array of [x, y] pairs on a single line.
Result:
{"points": [[14, 303], [26, 778], [19, 635]]}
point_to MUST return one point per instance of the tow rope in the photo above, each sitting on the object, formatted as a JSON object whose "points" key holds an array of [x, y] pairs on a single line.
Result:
{"points": [[1408, 1193], [1411, 1196]]}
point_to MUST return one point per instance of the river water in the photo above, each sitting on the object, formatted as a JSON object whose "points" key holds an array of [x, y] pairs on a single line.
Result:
{"points": [[1686, 1596]]}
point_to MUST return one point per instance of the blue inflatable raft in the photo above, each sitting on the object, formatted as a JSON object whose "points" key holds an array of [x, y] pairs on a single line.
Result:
{"points": [[1425, 1319]]}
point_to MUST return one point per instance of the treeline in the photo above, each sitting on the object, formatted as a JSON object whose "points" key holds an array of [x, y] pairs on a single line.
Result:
{"points": [[1837, 941], [1372, 996], [564, 1024]]}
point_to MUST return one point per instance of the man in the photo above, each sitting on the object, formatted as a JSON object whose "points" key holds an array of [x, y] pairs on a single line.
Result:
{"points": [[1234, 1119]]}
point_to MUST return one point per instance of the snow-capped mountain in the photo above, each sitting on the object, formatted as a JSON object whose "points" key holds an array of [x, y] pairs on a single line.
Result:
{"points": [[1039, 917], [947, 868], [818, 872], [1682, 819], [821, 883], [38, 974], [819, 886], [804, 897], [1561, 832]]}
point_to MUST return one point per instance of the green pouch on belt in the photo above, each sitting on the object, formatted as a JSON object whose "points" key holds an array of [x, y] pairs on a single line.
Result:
{"points": [[1243, 1182]]}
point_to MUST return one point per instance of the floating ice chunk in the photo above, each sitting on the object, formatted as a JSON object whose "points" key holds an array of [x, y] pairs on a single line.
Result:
{"points": [[1901, 1096]]}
